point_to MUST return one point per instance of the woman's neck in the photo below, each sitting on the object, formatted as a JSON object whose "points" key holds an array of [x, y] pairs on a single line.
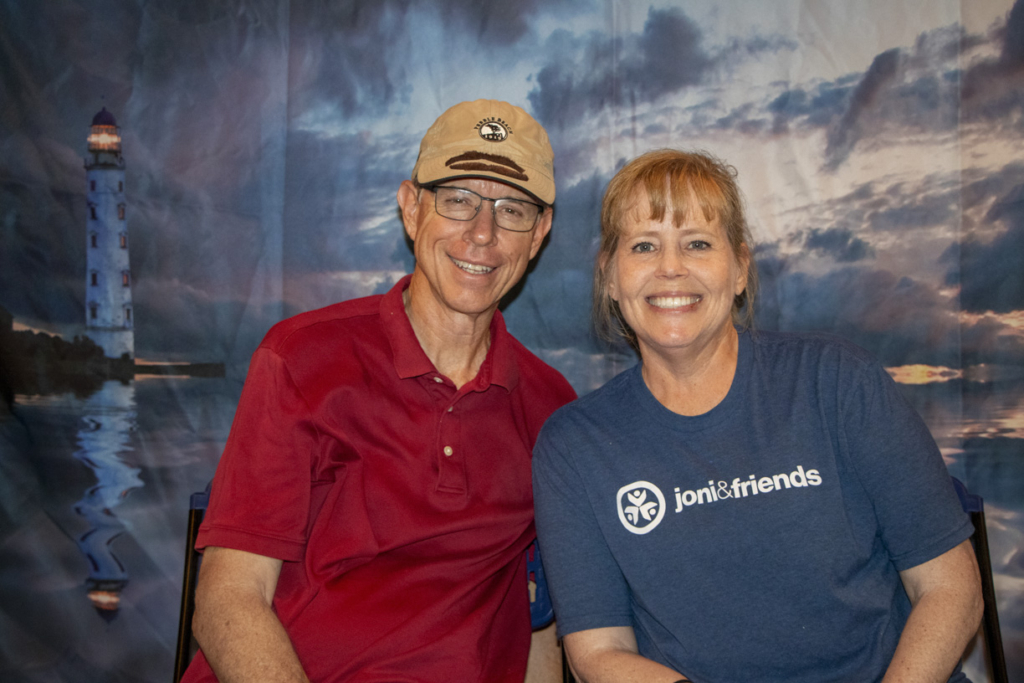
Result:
{"points": [[693, 382]]}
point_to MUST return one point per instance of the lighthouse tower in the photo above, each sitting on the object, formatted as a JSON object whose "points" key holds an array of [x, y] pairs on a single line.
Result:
{"points": [[108, 283]]}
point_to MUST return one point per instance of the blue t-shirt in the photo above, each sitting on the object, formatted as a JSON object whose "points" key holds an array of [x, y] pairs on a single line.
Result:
{"points": [[761, 539]]}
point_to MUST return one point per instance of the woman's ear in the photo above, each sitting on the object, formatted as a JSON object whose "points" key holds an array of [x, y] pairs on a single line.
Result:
{"points": [[610, 287], [744, 263]]}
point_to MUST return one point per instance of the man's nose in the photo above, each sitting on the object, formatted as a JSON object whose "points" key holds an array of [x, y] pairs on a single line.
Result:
{"points": [[482, 230]]}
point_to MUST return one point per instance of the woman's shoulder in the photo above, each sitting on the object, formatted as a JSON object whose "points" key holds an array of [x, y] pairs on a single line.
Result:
{"points": [[598, 405], [822, 346]]}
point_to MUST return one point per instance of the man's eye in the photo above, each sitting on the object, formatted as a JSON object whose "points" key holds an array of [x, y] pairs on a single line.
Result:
{"points": [[455, 199], [512, 210]]}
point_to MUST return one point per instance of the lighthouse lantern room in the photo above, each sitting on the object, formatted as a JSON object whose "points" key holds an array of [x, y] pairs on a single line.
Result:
{"points": [[108, 282]]}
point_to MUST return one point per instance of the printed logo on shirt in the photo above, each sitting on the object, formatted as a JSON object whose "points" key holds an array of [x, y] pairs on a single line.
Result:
{"points": [[641, 506]]}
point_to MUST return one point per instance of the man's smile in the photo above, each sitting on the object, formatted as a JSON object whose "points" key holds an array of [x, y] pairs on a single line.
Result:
{"points": [[471, 268]]}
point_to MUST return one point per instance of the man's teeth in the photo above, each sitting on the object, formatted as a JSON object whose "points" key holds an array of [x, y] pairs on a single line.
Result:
{"points": [[672, 301], [472, 268]]}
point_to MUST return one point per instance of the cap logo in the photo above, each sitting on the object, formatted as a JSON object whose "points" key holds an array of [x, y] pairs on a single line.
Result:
{"points": [[493, 129]]}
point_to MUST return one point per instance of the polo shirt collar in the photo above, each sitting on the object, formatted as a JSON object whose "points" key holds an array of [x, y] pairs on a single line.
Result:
{"points": [[499, 367]]}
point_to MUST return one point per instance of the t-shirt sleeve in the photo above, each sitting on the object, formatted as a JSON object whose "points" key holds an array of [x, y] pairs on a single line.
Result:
{"points": [[899, 465], [586, 585], [260, 498]]}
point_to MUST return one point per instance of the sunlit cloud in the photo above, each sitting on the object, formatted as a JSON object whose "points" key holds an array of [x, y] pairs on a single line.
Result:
{"points": [[923, 374]]}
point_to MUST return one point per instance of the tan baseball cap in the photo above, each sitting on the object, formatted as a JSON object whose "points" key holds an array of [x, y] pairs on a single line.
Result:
{"points": [[488, 139]]}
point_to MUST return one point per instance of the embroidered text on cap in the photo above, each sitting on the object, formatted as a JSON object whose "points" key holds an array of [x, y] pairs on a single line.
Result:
{"points": [[493, 129]]}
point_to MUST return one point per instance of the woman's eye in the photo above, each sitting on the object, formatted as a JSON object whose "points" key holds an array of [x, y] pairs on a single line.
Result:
{"points": [[700, 245], [643, 247]]}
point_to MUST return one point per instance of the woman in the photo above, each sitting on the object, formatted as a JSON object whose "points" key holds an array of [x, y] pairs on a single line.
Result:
{"points": [[740, 506]]}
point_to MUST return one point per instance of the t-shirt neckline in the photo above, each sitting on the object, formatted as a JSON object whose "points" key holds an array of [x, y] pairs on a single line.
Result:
{"points": [[725, 410]]}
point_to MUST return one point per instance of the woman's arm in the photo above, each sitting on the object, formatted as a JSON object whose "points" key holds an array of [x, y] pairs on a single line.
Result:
{"points": [[946, 596], [609, 655]]}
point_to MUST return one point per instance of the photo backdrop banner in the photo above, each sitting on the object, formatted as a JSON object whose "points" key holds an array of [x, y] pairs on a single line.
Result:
{"points": [[243, 168]]}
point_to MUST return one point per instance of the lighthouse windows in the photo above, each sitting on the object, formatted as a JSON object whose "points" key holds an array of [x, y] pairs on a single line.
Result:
{"points": [[120, 211], [94, 278], [125, 279], [92, 211], [127, 316], [92, 185], [92, 240], [93, 308], [123, 237], [120, 186]]}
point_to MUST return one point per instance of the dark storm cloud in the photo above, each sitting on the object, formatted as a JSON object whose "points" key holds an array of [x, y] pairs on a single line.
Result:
{"points": [[993, 89], [989, 271], [349, 54], [336, 187], [501, 23], [1013, 36], [813, 109], [899, 320], [844, 134], [838, 243], [909, 209], [585, 75], [552, 310]]}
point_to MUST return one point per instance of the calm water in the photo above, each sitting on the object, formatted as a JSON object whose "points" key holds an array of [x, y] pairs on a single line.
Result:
{"points": [[94, 492]]}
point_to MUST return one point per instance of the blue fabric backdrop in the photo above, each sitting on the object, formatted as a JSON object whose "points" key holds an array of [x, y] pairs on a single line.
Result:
{"points": [[878, 144]]}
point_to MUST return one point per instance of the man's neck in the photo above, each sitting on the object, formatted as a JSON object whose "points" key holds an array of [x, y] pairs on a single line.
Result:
{"points": [[455, 343]]}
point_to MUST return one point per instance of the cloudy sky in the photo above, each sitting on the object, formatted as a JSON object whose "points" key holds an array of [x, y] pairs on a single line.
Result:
{"points": [[878, 147]]}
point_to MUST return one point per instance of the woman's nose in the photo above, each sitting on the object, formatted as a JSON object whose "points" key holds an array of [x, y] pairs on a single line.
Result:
{"points": [[671, 263]]}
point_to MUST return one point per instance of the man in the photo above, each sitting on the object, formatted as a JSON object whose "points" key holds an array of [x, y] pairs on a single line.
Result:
{"points": [[370, 514]]}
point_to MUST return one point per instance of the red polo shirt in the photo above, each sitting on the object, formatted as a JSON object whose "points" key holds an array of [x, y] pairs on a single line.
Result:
{"points": [[400, 506]]}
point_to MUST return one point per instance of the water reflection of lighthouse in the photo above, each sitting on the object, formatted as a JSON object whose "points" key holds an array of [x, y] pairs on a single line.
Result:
{"points": [[101, 441]]}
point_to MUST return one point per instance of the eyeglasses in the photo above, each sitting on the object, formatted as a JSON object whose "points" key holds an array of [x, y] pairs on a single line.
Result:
{"points": [[460, 204]]}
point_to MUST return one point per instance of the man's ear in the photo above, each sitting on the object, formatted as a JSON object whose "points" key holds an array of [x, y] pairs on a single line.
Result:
{"points": [[541, 231], [409, 205]]}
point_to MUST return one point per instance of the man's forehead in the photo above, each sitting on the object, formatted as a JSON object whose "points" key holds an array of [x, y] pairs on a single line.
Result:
{"points": [[488, 187]]}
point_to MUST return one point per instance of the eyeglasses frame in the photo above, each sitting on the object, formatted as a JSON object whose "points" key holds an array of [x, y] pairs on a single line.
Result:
{"points": [[492, 200]]}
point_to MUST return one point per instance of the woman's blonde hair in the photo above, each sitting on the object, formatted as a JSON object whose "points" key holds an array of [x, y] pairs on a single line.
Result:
{"points": [[671, 179]]}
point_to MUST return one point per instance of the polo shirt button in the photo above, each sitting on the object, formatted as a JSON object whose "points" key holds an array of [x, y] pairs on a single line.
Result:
{"points": [[439, 380], [450, 408], [448, 450]]}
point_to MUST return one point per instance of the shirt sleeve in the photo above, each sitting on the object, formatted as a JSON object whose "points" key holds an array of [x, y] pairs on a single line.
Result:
{"points": [[586, 585], [260, 498], [900, 467]]}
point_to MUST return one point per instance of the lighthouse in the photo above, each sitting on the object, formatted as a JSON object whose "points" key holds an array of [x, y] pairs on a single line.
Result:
{"points": [[108, 282]]}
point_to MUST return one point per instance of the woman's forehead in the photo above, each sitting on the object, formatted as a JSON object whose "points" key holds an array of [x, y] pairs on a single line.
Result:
{"points": [[683, 206]]}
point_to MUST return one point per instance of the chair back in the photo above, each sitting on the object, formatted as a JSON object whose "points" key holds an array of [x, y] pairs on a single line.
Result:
{"points": [[974, 506], [184, 650]]}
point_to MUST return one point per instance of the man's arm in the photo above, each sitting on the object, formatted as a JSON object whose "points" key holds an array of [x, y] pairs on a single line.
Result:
{"points": [[545, 662], [609, 655], [947, 605], [240, 635]]}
